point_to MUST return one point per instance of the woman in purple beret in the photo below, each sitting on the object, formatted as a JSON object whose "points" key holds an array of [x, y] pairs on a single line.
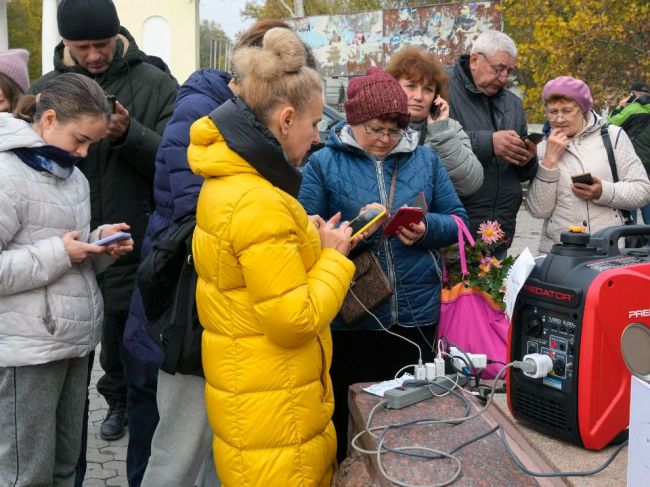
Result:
{"points": [[575, 146]]}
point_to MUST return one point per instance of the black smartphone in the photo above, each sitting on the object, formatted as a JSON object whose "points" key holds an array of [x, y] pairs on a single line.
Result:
{"points": [[111, 102], [434, 108], [535, 138], [583, 178]]}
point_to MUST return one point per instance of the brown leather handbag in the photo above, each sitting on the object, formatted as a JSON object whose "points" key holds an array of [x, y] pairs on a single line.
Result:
{"points": [[370, 286]]}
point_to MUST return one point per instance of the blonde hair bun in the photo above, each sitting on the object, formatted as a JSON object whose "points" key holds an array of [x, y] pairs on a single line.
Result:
{"points": [[282, 52]]}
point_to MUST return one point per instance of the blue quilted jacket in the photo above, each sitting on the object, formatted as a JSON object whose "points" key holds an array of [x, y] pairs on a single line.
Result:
{"points": [[343, 177], [176, 188]]}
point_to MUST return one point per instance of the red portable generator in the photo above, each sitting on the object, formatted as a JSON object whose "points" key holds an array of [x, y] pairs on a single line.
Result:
{"points": [[574, 307]]}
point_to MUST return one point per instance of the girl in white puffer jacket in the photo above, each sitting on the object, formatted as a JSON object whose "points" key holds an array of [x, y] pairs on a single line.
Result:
{"points": [[50, 304]]}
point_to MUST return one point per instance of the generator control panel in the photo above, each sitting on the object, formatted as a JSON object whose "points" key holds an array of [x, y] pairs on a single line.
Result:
{"points": [[555, 334]]}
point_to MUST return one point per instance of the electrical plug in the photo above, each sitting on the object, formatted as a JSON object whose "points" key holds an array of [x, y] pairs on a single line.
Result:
{"points": [[535, 365]]}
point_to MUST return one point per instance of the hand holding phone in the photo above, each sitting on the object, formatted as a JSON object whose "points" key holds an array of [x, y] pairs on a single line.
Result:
{"points": [[116, 237], [366, 219], [404, 217], [111, 102], [583, 178], [535, 138]]}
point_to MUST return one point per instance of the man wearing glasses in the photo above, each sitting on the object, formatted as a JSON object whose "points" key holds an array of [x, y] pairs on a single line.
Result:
{"points": [[494, 119]]}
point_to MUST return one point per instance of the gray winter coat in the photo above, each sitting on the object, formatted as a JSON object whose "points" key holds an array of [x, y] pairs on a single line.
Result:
{"points": [[50, 309], [453, 146]]}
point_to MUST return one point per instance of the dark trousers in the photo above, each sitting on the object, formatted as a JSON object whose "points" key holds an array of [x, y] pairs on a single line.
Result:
{"points": [[371, 356], [142, 411], [112, 385]]}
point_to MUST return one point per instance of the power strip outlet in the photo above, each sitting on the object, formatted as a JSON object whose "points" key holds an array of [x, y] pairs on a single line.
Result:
{"points": [[400, 397]]}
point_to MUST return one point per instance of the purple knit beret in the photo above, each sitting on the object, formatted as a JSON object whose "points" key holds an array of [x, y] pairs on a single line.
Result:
{"points": [[572, 88], [13, 64], [372, 95]]}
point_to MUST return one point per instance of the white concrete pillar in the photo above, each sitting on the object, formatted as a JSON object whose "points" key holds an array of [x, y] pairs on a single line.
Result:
{"points": [[50, 34], [4, 32]]}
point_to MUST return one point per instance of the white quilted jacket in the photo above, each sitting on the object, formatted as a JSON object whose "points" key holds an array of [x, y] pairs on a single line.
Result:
{"points": [[550, 196], [49, 309]]}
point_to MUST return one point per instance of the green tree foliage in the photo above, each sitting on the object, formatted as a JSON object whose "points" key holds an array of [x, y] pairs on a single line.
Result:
{"points": [[603, 42], [24, 25], [208, 31]]}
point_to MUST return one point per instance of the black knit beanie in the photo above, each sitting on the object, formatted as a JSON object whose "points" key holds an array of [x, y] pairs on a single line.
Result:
{"points": [[83, 20]]}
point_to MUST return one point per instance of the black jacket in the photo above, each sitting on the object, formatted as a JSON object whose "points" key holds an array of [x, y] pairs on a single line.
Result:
{"points": [[121, 176], [500, 196]]}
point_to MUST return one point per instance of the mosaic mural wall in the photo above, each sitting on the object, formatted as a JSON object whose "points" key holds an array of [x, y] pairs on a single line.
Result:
{"points": [[349, 44]]}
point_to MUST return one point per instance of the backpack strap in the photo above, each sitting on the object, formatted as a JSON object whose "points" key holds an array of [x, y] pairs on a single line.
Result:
{"points": [[604, 132]]}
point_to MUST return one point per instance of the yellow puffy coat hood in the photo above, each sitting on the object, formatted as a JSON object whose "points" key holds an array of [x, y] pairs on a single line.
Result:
{"points": [[266, 295]]}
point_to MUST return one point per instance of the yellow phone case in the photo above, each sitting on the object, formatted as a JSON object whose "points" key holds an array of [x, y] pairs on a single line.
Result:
{"points": [[369, 224]]}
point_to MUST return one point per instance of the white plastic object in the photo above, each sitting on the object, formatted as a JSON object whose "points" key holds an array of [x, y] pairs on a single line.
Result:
{"points": [[420, 373], [430, 371], [543, 365], [479, 360], [440, 366]]}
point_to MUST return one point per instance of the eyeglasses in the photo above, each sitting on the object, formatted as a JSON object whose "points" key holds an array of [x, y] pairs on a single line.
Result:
{"points": [[500, 70], [565, 113], [393, 134]]}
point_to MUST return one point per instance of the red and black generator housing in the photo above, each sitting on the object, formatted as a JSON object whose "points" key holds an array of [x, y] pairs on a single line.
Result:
{"points": [[574, 307]]}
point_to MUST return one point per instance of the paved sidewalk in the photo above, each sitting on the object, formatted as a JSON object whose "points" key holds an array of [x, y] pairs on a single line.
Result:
{"points": [[107, 459], [527, 235]]}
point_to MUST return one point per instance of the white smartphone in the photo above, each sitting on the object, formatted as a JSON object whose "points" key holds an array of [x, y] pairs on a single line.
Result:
{"points": [[116, 237]]}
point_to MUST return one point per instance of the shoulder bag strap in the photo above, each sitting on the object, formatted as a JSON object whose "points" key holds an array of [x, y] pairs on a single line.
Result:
{"points": [[604, 132]]}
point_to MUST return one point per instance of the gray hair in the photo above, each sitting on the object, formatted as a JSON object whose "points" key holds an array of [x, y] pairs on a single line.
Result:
{"points": [[492, 41]]}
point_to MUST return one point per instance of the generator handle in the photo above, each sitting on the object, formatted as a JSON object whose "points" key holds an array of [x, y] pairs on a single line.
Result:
{"points": [[607, 238]]}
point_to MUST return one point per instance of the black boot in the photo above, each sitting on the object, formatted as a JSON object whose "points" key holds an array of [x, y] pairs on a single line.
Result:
{"points": [[114, 425]]}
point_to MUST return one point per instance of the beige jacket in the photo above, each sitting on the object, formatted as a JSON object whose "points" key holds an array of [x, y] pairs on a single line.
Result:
{"points": [[550, 196]]}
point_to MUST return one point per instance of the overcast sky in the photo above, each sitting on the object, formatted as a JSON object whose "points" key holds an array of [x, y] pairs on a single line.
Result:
{"points": [[226, 13]]}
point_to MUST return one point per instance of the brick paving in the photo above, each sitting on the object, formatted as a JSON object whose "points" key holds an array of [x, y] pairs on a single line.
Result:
{"points": [[107, 459]]}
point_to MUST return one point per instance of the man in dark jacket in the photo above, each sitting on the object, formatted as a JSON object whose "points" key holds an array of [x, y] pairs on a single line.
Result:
{"points": [[494, 119], [120, 171]]}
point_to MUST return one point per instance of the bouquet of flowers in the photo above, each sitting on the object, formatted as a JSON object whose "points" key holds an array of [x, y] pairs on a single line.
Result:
{"points": [[485, 271]]}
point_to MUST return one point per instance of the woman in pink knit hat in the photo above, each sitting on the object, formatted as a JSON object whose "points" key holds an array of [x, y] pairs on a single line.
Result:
{"points": [[576, 146], [14, 78]]}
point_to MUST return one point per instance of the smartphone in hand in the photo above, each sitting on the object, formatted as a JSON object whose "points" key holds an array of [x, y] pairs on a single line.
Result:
{"points": [[434, 108], [116, 237], [403, 218], [111, 102], [535, 138], [365, 220], [583, 178]]}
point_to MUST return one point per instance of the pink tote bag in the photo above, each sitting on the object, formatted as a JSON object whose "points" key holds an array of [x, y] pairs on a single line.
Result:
{"points": [[469, 317]]}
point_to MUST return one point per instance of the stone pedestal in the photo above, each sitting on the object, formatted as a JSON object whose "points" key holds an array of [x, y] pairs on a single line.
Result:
{"points": [[485, 462]]}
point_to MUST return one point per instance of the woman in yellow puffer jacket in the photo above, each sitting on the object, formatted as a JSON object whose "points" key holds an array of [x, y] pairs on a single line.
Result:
{"points": [[270, 279]]}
